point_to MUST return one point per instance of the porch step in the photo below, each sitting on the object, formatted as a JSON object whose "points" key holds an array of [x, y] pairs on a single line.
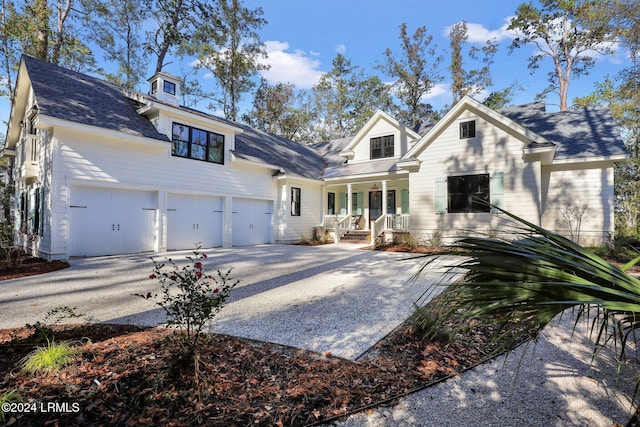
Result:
{"points": [[356, 236]]}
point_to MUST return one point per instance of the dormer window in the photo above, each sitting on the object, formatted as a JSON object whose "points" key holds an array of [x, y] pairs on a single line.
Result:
{"points": [[468, 129], [165, 87], [382, 147], [169, 87]]}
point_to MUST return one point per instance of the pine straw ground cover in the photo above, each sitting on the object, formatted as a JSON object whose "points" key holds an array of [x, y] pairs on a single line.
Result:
{"points": [[126, 376]]}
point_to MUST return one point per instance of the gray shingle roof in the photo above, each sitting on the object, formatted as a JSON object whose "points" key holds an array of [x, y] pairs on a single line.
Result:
{"points": [[68, 95], [294, 158], [580, 133], [363, 168]]}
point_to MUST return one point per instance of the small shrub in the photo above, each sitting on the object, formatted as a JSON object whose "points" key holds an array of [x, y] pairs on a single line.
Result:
{"points": [[435, 240], [50, 358], [304, 239], [42, 330], [190, 298], [10, 396], [425, 323]]}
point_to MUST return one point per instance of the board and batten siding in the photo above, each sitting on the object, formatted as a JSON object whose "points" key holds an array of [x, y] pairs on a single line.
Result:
{"points": [[573, 194], [494, 150]]}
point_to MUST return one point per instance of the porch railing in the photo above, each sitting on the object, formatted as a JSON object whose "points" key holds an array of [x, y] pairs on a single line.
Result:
{"points": [[341, 227], [377, 228], [398, 222]]}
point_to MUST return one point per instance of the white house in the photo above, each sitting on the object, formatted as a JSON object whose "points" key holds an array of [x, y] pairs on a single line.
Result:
{"points": [[99, 170]]}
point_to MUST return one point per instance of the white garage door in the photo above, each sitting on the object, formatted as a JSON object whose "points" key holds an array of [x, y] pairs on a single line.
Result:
{"points": [[106, 221], [251, 221], [193, 220]]}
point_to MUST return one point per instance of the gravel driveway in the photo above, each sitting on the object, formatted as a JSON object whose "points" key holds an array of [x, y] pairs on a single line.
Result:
{"points": [[340, 299]]}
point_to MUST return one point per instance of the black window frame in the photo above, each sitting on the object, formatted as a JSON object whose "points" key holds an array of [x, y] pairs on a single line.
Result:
{"points": [[206, 147], [331, 203], [469, 193], [468, 129], [382, 147], [296, 194], [154, 87], [171, 86]]}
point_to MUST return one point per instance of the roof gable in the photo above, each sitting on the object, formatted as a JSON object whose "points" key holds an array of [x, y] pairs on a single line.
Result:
{"points": [[377, 117], [79, 98], [587, 133]]}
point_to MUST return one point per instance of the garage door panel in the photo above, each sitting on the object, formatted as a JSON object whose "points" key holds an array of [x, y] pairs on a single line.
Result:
{"points": [[193, 220], [107, 221], [251, 221]]}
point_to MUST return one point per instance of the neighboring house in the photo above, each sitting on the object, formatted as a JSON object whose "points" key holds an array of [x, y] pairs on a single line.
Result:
{"points": [[99, 169]]}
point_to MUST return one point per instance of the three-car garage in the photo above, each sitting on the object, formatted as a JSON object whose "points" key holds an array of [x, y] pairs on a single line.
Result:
{"points": [[110, 221]]}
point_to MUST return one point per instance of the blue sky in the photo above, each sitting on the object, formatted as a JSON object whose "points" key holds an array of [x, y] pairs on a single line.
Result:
{"points": [[304, 36]]}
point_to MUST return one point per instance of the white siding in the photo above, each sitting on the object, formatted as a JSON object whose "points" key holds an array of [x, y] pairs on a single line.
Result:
{"points": [[568, 188], [83, 158], [291, 228], [494, 149]]}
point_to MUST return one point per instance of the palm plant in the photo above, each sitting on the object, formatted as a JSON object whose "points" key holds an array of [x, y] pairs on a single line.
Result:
{"points": [[532, 277]]}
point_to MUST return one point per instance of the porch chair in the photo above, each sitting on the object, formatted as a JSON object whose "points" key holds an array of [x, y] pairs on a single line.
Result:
{"points": [[355, 221]]}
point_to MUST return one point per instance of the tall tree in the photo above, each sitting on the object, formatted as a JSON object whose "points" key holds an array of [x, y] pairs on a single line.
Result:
{"points": [[566, 32], [415, 71], [235, 56], [176, 24], [474, 81], [277, 110], [115, 29], [502, 98], [9, 47], [345, 98]]}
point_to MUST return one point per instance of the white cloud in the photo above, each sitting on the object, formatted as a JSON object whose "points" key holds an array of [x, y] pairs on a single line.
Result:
{"points": [[438, 91], [297, 67], [477, 33], [341, 48]]}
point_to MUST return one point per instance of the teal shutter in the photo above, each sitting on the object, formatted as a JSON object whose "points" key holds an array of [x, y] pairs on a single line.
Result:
{"points": [[359, 203], [343, 203], [441, 195], [497, 191], [404, 200]]}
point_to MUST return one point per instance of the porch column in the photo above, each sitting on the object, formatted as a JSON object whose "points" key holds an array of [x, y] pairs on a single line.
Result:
{"points": [[349, 200], [384, 198]]}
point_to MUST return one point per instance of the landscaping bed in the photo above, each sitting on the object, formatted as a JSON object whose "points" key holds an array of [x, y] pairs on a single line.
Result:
{"points": [[126, 375]]}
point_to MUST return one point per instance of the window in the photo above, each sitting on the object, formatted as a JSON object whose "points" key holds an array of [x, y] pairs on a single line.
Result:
{"points": [[295, 201], [154, 87], [169, 87], [331, 203], [382, 147], [197, 144], [469, 193], [468, 129]]}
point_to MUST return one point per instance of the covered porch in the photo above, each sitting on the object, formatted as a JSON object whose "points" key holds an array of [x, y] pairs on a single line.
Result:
{"points": [[368, 208]]}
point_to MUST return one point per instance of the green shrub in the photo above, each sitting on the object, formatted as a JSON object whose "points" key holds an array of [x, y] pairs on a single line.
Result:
{"points": [[42, 330], [190, 298], [50, 358], [10, 396], [426, 324]]}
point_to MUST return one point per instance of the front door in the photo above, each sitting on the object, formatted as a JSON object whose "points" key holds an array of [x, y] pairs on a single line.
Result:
{"points": [[375, 204]]}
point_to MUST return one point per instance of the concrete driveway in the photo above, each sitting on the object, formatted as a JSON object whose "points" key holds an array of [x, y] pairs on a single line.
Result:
{"points": [[333, 298]]}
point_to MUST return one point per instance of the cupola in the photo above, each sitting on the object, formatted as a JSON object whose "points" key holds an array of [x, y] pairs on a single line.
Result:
{"points": [[165, 87]]}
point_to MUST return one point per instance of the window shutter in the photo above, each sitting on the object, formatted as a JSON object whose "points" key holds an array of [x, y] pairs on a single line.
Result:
{"points": [[441, 195], [404, 200], [359, 203], [497, 190], [343, 203]]}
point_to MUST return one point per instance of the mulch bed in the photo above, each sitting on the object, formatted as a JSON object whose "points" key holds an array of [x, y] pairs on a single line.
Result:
{"points": [[28, 266], [127, 376]]}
